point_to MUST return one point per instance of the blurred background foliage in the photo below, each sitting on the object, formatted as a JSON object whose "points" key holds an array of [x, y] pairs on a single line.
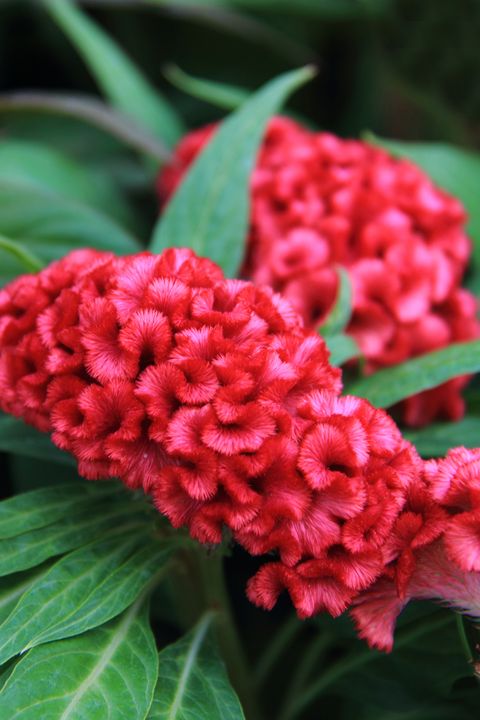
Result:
{"points": [[401, 69]]}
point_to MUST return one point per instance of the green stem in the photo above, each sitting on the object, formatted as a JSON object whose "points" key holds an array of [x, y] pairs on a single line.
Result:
{"points": [[463, 637], [30, 262], [216, 598], [198, 585], [346, 665], [275, 648], [311, 657]]}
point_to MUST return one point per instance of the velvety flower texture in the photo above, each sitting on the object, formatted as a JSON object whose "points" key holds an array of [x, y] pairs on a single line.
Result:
{"points": [[319, 201], [434, 546], [210, 395]]}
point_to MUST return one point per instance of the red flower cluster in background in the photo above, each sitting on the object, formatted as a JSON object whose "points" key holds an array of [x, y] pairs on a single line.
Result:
{"points": [[210, 395], [318, 201]]}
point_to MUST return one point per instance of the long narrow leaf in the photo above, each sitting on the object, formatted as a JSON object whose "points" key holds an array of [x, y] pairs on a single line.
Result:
{"points": [[120, 80], [342, 348], [28, 260], [92, 111], [38, 165], [341, 312], [228, 97], [210, 210], [436, 440], [48, 225], [387, 387]]}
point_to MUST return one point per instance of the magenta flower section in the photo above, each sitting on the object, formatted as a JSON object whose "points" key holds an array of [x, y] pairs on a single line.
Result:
{"points": [[319, 201]]}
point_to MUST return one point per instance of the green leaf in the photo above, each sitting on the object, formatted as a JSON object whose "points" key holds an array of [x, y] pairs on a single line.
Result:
{"points": [[210, 210], [39, 508], [83, 590], [118, 77], [33, 547], [228, 97], [49, 225], [426, 661], [453, 169], [340, 314], [193, 683], [109, 672], [342, 348], [35, 164], [28, 261], [436, 440], [16, 437], [90, 111], [389, 386], [14, 586]]}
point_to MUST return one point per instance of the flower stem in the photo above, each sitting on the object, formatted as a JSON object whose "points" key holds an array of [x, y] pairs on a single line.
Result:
{"points": [[199, 586], [463, 637], [276, 647], [311, 657], [215, 597]]}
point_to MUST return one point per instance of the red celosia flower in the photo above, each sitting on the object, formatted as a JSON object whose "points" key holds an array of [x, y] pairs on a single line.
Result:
{"points": [[433, 551], [318, 201], [210, 395]]}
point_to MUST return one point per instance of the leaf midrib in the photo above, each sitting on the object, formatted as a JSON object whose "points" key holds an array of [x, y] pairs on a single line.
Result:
{"points": [[191, 655], [104, 659]]}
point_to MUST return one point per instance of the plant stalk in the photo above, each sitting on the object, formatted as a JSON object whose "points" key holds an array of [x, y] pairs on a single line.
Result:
{"points": [[216, 598]]}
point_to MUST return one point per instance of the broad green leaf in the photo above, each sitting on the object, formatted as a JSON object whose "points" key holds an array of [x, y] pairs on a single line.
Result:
{"points": [[453, 169], [83, 590], [49, 225], [35, 164], [342, 348], [109, 672], [118, 77], [210, 210], [389, 386], [228, 97], [14, 586], [33, 547], [193, 683], [436, 440], [5, 673], [38, 508], [339, 316], [17, 437]]}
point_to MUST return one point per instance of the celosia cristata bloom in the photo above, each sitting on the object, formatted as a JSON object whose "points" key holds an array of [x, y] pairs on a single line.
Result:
{"points": [[318, 201], [210, 395], [434, 548]]}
